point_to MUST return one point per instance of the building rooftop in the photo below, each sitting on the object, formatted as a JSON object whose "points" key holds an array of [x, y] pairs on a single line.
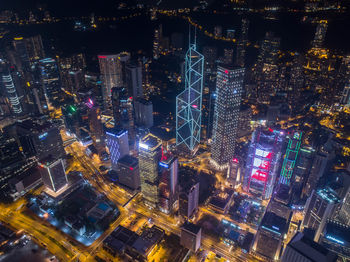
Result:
{"points": [[273, 223], [150, 142], [191, 227], [115, 132], [329, 195], [129, 161], [310, 249], [338, 233], [47, 161]]}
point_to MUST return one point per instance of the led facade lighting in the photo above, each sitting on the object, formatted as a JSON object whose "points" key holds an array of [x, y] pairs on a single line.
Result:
{"points": [[189, 102]]}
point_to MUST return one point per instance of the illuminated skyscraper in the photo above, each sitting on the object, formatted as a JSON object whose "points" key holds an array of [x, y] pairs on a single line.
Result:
{"points": [[50, 79], [11, 91], [189, 103], [229, 85], [264, 155], [168, 183], [118, 145], [149, 156], [112, 68], [290, 158], [318, 209], [53, 174]]}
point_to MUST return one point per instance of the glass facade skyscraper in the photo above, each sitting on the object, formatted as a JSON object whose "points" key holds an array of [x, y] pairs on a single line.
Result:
{"points": [[189, 102], [229, 85]]}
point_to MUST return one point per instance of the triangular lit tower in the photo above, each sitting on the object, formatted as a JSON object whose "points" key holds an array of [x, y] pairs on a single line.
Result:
{"points": [[189, 103]]}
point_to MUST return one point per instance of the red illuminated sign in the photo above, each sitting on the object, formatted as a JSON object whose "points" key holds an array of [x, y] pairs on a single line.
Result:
{"points": [[131, 168], [102, 56], [259, 175]]}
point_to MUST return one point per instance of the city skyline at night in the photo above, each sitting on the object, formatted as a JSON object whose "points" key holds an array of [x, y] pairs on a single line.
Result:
{"points": [[198, 130]]}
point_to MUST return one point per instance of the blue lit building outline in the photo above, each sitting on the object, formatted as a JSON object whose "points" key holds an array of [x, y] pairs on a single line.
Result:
{"points": [[189, 102]]}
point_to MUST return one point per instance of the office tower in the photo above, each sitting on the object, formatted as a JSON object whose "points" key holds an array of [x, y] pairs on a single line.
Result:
{"points": [[133, 79], [318, 169], [320, 34], [343, 214], [229, 85], [301, 172], [149, 156], [143, 112], [29, 49], [303, 249], [95, 125], [11, 92], [269, 237], [336, 237], [345, 98], [52, 173], [188, 199], [40, 139], [112, 68], [189, 103], [50, 80], [73, 62], [263, 158], [168, 183], [191, 236], [318, 208], [242, 43], [268, 52], [118, 145], [118, 93], [290, 158], [128, 172], [72, 119], [158, 33]]}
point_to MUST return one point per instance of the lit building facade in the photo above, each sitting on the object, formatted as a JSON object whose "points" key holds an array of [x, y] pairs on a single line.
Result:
{"points": [[229, 85], [50, 79], [118, 145], [133, 79], [290, 158], [112, 68], [149, 156], [11, 91], [319, 207], [320, 34], [53, 174], [189, 103], [264, 155], [168, 183]]}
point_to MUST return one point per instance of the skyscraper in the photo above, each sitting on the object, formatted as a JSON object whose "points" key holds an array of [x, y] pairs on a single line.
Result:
{"points": [[133, 79], [143, 112], [118, 145], [128, 172], [319, 207], [149, 156], [9, 87], [264, 155], [50, 79], [191, 235], [290, 158], [188, 199], [229, 85], [168, 183], [53, 174], [112, 68], [189, 103], [345, 98], [40, 139]]}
